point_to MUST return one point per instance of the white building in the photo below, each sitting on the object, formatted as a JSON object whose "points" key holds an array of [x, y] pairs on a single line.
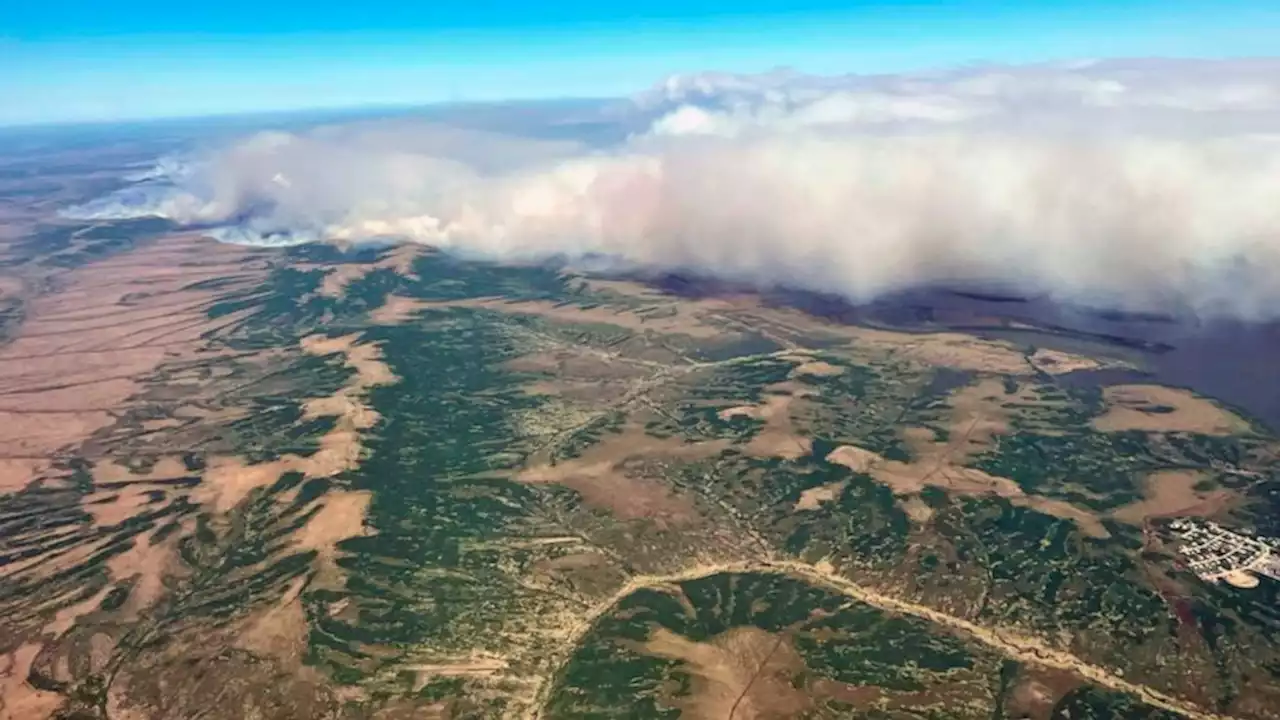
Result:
{"points": [[1217, 554]]}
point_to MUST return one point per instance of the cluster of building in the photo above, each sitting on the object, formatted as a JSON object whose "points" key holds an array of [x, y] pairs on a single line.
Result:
{"points": [[1217, 554]]}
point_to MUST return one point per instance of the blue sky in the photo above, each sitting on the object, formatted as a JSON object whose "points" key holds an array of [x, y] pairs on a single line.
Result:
{"points": [[74, 60]]}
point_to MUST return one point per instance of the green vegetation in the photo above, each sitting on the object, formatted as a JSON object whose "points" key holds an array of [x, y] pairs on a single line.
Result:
{"points": [[76, 244], [1100, 471], [1090, 703], [471, 586], [726, 640], [837, 646]]}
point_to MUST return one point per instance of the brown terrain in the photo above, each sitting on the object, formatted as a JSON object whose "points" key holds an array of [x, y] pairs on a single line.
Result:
{"points": [[1231, 360], [76, 366], [1164, 409], [1056, 362], [977, 416], [724, 318], [1173, 492], [83, 366], [743, 673], [718, 317], [813, 498], [82, 353], [979, 413], [396, 310], [604, 479], [230, 479], [677, 323], [778, 437], [339, 276], [128, 337], [747, 672]]}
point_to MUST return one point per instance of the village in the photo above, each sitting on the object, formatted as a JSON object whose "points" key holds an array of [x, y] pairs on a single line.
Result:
{"points": [[1218, 554]]}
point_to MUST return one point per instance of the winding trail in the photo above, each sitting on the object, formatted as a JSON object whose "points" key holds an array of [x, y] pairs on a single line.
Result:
{"points": [[1017, 647]]}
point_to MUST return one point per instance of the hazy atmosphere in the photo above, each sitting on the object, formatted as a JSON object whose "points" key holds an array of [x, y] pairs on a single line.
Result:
{"points": [[1149, 184], [663, 360]]}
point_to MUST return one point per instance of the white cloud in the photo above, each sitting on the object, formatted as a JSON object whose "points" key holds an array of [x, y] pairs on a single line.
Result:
{"points": [[1133, 182]]}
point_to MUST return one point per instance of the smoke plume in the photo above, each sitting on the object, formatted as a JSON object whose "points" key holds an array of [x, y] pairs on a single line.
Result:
{"points": [[1140, 184]]}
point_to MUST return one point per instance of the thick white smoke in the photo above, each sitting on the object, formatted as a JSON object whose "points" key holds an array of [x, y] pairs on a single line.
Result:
{"points": [[1140, 183]]}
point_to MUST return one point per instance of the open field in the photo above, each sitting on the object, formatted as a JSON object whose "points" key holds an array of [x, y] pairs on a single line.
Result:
{"points": [[1151, 407], [391, 483], [82, 351]]}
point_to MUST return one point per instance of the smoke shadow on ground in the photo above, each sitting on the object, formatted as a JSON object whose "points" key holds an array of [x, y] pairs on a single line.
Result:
{"points": [[1230, 360]]}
